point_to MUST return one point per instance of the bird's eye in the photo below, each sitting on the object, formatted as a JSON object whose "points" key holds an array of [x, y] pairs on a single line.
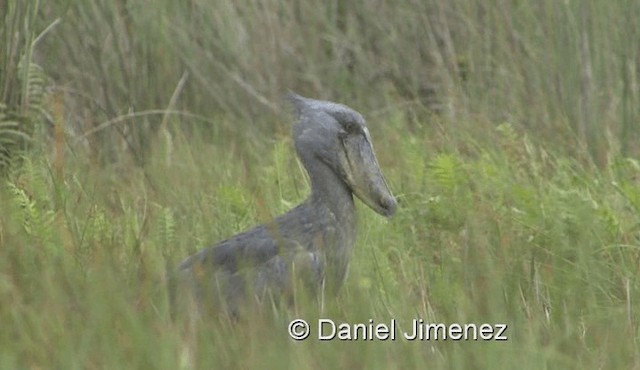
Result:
{"points": [[351, 127]]}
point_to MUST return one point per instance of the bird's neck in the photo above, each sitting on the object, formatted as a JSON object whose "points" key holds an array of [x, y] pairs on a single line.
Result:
{"points": [[331, 202], [329, 191]]}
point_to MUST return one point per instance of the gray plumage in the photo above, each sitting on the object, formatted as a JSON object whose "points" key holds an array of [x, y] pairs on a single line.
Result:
{"points": [[311, 243]]}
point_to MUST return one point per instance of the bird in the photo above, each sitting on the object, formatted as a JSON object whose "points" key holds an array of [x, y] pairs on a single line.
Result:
{"points": [[312, 242]]}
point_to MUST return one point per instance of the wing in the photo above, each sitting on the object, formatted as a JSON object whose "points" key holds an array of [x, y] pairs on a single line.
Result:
{"points": [[256, 246], [262, 258], [248, 249]]}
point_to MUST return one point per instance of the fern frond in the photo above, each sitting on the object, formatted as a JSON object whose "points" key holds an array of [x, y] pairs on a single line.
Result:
{"points": [[35, 83], [28, 207], [16, 129], [445, 170], [167, 227]]}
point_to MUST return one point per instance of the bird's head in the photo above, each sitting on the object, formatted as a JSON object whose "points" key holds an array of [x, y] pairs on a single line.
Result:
{"points": [[337, 136]]}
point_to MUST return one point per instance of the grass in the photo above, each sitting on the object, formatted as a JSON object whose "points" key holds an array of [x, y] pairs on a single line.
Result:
{"points": [[506, 130]]}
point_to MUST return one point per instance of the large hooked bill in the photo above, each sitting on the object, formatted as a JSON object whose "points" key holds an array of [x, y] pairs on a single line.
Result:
{"points": [[364, 176]]}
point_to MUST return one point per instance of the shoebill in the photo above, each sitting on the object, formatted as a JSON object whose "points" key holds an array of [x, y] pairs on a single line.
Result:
{"points": [[313, 242]]}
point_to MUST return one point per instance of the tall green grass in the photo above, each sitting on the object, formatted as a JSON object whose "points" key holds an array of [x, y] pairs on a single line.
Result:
{"points": [[567, 71], [506, 130], [510, 234]]}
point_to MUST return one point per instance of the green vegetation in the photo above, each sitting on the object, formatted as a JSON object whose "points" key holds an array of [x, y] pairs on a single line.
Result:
{"points": [[133, 133]]}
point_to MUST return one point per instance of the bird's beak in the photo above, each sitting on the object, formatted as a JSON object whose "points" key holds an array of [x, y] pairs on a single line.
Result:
{"points": [[363, 174]]}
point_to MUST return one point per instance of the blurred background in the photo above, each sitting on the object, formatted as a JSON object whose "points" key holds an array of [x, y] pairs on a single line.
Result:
{"points": [[563, 71]]}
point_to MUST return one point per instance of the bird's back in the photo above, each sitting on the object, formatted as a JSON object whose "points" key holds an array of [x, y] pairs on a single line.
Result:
{"points": [[256, 263]]}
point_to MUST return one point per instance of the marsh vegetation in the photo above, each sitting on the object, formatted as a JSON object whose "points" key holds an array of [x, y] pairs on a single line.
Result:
{"points": [[133, 133]]}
